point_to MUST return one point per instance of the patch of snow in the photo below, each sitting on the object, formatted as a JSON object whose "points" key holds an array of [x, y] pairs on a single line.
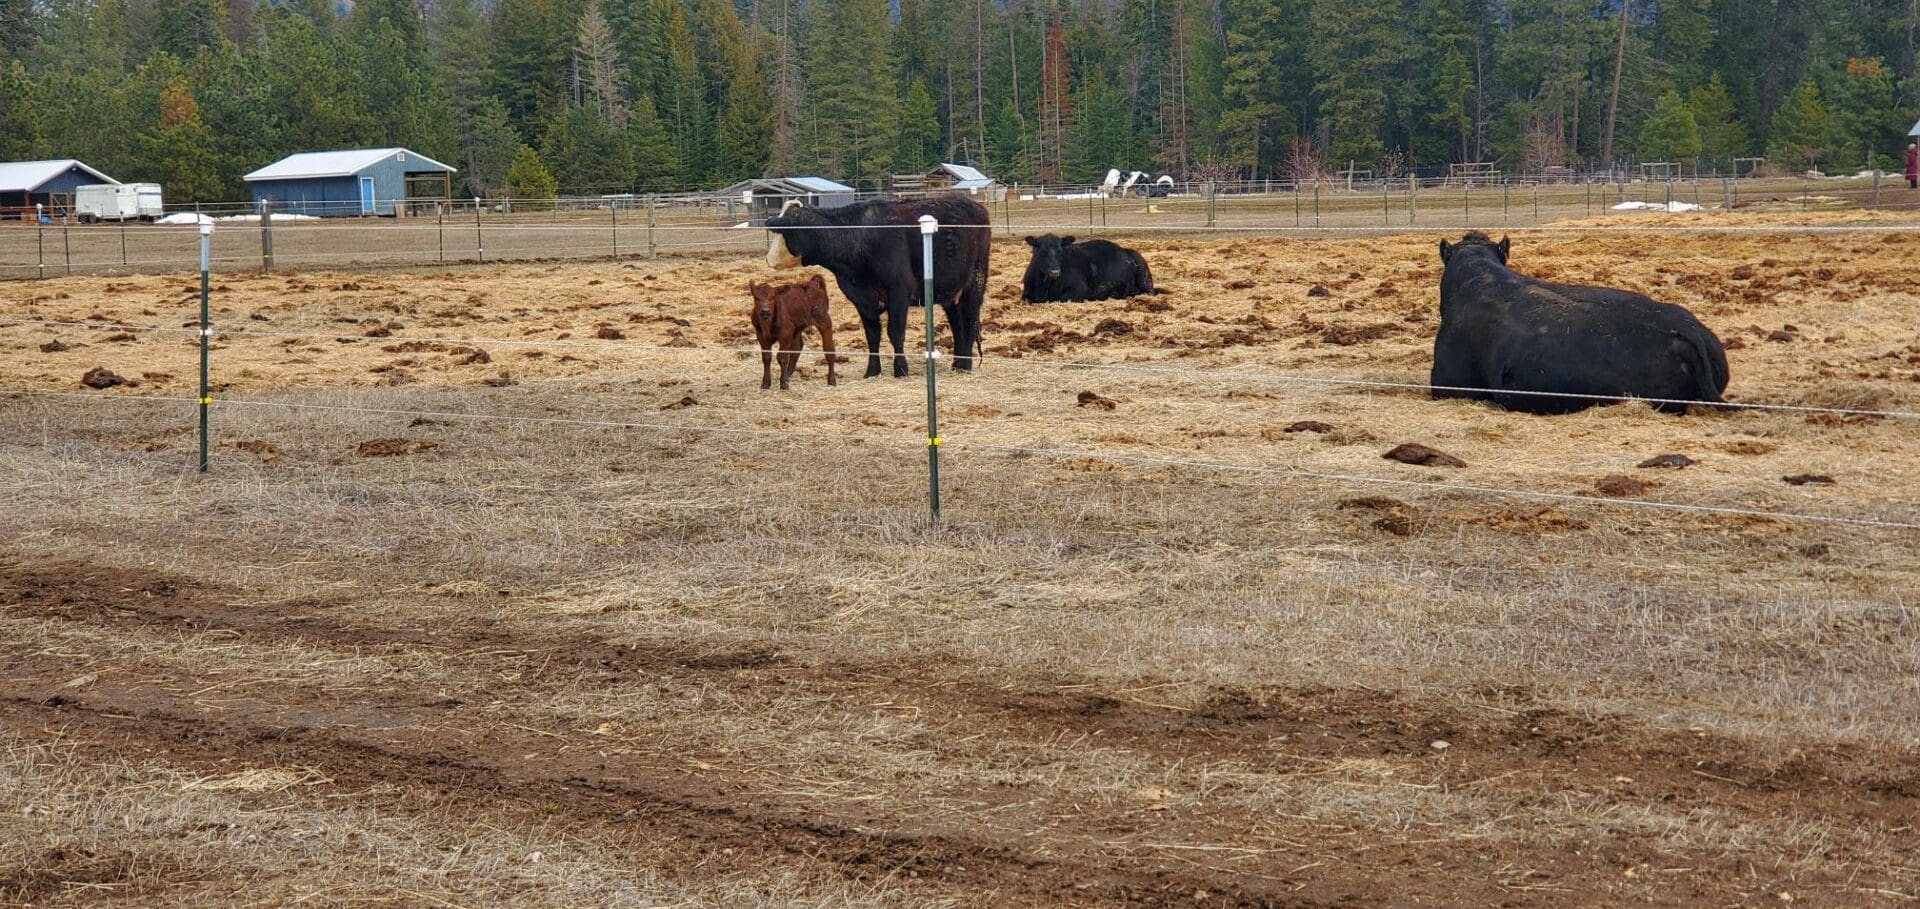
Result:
{"points": [[743, 225], [184, 217], [254, 219], [1675, 206]]}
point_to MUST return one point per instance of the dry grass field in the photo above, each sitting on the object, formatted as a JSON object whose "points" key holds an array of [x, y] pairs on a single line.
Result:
{"points": [[511, 587]]}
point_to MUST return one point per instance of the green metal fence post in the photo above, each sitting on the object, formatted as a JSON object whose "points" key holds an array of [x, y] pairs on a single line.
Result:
{"points": [[206, 337], [479, 239], [928, 226]]}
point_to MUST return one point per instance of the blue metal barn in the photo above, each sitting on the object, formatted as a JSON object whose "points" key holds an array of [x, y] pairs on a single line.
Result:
{"points": [[48, 183], [367, 181]]}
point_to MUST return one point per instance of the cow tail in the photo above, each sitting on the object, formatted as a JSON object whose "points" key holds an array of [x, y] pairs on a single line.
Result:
{"points": [[1713, 360]]}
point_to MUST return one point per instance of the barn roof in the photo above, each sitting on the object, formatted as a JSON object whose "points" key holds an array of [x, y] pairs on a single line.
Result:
{"points": [[819, 184], [788, 185], [966, 177], [27, 176], [346, 163]]}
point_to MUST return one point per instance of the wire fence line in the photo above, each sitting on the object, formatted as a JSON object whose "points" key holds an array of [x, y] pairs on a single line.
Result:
{"points": [[607, 229], [205, 333], [1210, 374], [1053, 452]]}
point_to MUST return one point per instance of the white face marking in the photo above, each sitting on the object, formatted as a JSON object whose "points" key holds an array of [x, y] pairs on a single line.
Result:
{"points": [[778, 255]]}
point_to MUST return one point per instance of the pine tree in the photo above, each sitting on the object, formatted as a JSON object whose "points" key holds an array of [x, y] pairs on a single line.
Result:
{"points": [[587, 154], [746, 123], [852, 86], [656, 166], [182, 147], [400, 15], [1101, 136], [920, 143], [683, 101], [1055, 112], [1251, 87], [184, 28], [602, 76], [19, 121], [1669, 133], [1798, 135], [1863, 123], [19, 30], [530, 58], [1353, 54], [491, 148], [528, 177], [1722, 137]]}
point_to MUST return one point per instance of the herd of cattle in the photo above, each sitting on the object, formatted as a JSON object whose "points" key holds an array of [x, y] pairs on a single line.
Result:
{"points": [[1518, 342]]}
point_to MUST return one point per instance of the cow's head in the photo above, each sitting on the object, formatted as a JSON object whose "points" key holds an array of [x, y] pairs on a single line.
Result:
{"points": [[763, 295], [1048, 251], [1476, 240], [778, 255]]}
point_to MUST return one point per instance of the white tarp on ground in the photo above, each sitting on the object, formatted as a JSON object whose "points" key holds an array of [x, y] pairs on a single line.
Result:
{"points": [[1657, 206]]}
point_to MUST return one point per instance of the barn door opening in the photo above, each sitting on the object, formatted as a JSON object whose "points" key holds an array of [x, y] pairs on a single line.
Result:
{"points": [[366, 195]]}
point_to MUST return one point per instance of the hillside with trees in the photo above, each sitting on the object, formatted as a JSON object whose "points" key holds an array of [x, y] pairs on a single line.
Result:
{"points": [[603, 96]]}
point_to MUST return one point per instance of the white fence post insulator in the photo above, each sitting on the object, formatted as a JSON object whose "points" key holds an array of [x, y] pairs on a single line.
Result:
{"points": [[928, 227]]}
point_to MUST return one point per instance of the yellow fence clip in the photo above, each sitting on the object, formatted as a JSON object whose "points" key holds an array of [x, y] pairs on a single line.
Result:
{"points": [[934, 441]]}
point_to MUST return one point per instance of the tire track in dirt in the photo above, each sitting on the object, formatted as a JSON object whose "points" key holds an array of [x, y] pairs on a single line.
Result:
{"points": [[690, 821], [1545, 752], [1258, 725]]}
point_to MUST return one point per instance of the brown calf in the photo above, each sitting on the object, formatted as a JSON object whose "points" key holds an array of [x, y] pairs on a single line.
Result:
{"points": [[782, 313]]}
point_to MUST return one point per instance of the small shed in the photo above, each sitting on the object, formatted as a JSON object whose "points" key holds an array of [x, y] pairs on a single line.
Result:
{"points": [[764, 197], [1914, 133], [24, 184], [365, 181], [966, 179]]}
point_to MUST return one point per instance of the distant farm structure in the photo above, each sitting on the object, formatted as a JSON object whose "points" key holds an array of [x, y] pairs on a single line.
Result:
{"points": [[368, 181], [24, 184]]}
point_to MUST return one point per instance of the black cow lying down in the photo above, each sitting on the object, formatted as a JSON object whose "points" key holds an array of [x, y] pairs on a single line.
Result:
{"points": [[1514, 340], [1087, 270], [873, 250]]}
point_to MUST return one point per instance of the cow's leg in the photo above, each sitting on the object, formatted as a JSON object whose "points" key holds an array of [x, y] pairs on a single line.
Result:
{"points": [[789, 356], [971, 300], [899, 303], [766, 362], [825, 324], [867, 302]]}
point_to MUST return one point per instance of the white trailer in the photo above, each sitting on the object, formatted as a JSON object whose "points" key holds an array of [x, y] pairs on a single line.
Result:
{"points": [[118, 202]]}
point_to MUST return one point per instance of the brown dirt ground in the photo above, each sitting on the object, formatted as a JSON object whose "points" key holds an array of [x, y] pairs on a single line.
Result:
{"points": [[386, 653]]}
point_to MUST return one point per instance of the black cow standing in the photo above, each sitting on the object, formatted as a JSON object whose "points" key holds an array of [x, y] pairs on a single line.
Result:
{"points": [[1502, 333], [873, 250], [1087, 270]]}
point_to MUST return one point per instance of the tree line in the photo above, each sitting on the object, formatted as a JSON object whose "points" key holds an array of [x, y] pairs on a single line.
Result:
{"points": [[535, 97]]}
